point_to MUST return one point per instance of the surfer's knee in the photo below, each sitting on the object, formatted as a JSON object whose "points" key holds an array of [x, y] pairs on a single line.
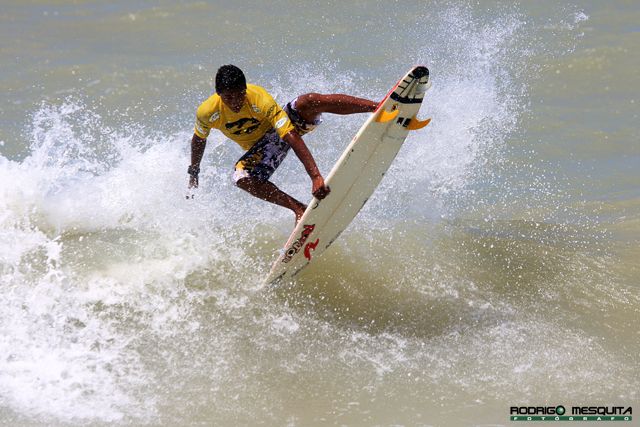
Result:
{"points": [[308, 103], [309, 106], [245, 183], [242, 178]]}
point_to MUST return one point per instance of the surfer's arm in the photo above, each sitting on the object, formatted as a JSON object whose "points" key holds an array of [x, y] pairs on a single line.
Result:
{"points": [[310, 105], [206, 116], [198, 145], [319, 190]]}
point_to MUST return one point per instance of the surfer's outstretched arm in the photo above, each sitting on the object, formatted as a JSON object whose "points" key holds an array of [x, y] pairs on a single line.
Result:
{"points": [[197, 151], [311, 105], [319, 190]]}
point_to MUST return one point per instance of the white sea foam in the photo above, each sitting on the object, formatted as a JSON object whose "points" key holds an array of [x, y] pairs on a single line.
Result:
{"points": [[64, 353]]}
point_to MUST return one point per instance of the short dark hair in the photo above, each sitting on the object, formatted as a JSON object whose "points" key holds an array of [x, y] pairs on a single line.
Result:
{"points": [[230, 78]]}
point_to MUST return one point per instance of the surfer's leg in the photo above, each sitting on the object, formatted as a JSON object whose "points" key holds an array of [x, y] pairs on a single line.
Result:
{"points": [[310, 105], [268, 191], [255, 167]]}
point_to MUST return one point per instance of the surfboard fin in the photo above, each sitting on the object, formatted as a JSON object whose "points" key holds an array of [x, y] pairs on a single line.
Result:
{"points": [[416, 124], [386, 116]]}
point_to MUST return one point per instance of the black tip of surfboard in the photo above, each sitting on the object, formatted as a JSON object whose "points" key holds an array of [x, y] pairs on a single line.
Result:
{"points": [[420, 71]]}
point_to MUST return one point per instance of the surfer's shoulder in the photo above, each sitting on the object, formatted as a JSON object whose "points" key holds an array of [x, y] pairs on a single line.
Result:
{"points": [[209, 110], [261, 101]]}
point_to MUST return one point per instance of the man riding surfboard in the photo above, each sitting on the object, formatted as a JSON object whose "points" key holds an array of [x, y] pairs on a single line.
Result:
{"points": [[249, 116]]}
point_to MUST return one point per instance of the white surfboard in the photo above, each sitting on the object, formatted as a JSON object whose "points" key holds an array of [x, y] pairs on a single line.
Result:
{"points": [[355, 175]]}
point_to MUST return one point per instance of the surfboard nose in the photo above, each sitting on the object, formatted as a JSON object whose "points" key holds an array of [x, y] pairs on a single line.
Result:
{"points": [[420, 71]]}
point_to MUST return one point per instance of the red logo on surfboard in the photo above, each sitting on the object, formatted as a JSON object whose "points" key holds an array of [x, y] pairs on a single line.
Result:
{"points": [[297, 245], [310, 247]]}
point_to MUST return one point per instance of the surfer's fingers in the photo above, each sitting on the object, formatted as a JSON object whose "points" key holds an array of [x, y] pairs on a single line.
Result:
{"points": [[322, 192]]}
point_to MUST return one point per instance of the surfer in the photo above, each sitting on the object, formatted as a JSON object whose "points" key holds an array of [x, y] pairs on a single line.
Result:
{"points": [[249, 116]]}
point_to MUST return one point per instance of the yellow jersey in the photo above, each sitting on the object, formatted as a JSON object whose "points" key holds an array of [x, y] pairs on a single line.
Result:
{"points": [[259, 114]]}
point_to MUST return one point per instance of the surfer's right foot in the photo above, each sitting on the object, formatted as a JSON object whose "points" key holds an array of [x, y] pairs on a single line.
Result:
{"points": [[299, 211]]}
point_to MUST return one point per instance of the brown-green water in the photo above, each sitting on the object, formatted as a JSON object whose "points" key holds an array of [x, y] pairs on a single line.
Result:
{"points": [[496, 265]]}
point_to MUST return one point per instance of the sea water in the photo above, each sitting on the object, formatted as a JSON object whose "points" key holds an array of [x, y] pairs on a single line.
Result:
{"points": [[495, 266]]}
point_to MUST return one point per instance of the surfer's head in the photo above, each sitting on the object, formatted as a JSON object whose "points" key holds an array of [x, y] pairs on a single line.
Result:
{"points": [[231, 85]]}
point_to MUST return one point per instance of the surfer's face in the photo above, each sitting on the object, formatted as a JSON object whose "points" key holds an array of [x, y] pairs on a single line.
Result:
{"points": [[234, 99]]}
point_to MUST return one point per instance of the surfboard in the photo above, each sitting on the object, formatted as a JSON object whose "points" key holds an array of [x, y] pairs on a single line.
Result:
{"points": [[355, 175]]}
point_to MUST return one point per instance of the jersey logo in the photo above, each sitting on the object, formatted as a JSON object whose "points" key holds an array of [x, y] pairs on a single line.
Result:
{"points": [[215, 116], [256, 109], [240, 128], [281, 122]]}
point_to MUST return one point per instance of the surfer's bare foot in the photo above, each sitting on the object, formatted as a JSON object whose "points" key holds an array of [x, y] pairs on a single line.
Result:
{"points": [[299, 211]]}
